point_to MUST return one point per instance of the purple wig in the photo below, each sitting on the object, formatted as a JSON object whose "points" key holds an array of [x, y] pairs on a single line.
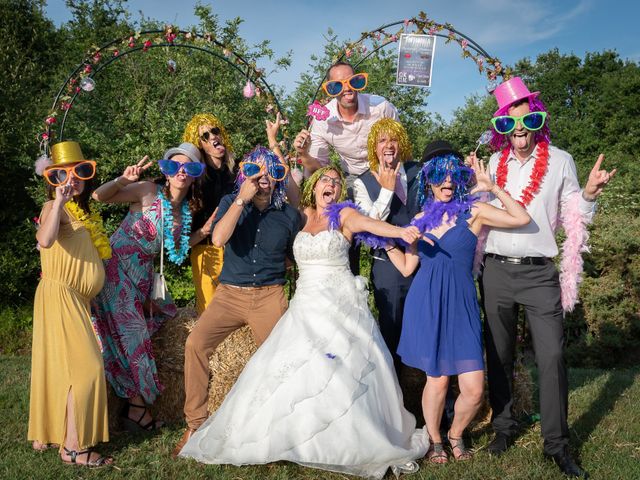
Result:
{"points": [[499, 141], [262, 155]]}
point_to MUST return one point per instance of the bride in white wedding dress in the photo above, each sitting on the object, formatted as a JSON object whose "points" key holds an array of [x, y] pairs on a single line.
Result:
{"points": [[321, 391]]}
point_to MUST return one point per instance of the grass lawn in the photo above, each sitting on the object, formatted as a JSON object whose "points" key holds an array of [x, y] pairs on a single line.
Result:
{"points": [[604, 417]]}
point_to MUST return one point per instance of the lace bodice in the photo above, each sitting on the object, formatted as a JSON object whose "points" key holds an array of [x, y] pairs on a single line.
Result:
{"points": [[328, 247]]}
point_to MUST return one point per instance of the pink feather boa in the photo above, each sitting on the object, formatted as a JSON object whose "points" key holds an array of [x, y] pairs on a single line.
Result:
{"points": [[571, 265]]}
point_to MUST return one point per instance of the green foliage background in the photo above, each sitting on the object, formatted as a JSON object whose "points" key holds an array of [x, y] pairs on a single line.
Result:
{"points": [[139, 108]]}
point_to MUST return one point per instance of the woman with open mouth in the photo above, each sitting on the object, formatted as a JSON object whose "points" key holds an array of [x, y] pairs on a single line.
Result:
{"points": [[321, 391], [441, 329]]}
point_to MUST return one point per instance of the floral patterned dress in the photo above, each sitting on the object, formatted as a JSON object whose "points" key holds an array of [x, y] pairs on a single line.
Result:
{"points": [[126, 318]]}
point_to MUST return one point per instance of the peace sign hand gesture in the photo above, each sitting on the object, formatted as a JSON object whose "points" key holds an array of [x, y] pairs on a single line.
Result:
{"points": [[132, 173], [386, 176], [598, 179]]}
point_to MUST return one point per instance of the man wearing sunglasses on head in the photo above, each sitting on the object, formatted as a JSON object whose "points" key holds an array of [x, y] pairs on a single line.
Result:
{"points": [[256, 227], [352, 114], [518, 266]]}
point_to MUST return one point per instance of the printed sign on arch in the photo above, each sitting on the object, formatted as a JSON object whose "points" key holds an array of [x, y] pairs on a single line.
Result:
{"points": [[415, 60]]}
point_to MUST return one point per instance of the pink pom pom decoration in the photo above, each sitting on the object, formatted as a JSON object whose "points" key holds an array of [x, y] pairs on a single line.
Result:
{"points": [[42, 162], [249, 90]]}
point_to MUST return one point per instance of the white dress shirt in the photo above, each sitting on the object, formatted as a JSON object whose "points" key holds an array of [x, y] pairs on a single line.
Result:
{"points": [[349, 139], [537, 239], [380, 208]]}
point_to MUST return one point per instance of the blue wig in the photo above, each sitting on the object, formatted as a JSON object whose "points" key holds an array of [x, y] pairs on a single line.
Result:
{"points": [[262, 155], [436, 171]]}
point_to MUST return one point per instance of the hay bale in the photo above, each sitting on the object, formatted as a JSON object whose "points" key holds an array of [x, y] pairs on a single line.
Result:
{"points": [[412, 381], [168, 350], [227, 363]]}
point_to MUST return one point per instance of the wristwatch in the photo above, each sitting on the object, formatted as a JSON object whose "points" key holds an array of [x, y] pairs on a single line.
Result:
{"points": [[238, 201]]}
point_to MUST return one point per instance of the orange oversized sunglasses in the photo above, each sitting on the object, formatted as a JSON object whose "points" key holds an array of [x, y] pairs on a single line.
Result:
{"points": [[59, 175], [356, 82]]}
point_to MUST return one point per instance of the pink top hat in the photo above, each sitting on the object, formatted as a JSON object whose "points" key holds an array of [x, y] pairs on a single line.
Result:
{"points": [[509, 92]]}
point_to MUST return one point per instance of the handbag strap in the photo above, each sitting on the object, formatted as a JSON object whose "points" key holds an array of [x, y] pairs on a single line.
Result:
{"points": [[161, 239]]}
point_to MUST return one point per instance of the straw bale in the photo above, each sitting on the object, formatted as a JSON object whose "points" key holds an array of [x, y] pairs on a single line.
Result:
{"points": [[227, 363], [168, 349]]}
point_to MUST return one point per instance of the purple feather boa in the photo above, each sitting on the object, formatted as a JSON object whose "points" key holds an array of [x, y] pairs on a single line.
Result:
{"points": [[332, 212], [434, 213]]}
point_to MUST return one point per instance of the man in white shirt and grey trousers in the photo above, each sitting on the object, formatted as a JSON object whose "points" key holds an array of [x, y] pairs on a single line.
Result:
{"points": [[519, 270]]}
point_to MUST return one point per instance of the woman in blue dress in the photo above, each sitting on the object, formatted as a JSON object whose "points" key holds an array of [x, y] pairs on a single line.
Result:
{"points": [[441, 329]]}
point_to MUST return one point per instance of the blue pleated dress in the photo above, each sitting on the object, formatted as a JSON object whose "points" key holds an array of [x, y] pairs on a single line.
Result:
{"points": [[441, 329]]}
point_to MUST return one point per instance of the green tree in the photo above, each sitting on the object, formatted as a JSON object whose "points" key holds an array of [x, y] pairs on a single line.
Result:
{"points": [[410, 102], [29, 56]]}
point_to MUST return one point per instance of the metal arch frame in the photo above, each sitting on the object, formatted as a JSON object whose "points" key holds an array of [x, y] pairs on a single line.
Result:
{"points": [[250, 73], [475, 46]]}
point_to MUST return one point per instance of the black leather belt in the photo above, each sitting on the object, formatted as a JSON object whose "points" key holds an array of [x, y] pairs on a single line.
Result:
{"points": [[518, 260]]}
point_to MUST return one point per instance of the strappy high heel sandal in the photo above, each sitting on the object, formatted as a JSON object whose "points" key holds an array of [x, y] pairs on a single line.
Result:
{"points": [[458, 443], [98, 462], [136, 426]]}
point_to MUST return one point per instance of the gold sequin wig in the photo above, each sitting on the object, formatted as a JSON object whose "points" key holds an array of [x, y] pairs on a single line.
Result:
{"points": [[396, 131], [192, 135]]}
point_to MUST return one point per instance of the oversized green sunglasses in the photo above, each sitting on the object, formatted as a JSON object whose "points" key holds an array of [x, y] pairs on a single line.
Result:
{"points": [[506, 124]]}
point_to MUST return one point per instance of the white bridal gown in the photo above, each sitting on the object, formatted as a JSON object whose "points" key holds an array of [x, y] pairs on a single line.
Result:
{"points": [[321, 391]]}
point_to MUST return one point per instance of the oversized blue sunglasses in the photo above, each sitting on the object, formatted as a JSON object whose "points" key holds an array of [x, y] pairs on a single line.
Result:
{"points": [[171, 168], [277, 171]]}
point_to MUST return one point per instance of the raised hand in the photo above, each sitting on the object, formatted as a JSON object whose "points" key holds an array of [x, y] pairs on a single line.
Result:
{"points": [[132, 173], [483, 180], [301, 142], [386, 176], [272, 129], [598, 179]]}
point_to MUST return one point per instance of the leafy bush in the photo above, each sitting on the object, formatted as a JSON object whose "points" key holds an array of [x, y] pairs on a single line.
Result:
{"points": [[605, 330], [15, 329]]}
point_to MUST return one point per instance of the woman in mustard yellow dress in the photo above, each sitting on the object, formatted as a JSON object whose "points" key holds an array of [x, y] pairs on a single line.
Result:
{"points": [[68, 403]]}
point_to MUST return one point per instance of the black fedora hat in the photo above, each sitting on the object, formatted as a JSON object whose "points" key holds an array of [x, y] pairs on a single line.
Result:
{"points": [[438, 147]]}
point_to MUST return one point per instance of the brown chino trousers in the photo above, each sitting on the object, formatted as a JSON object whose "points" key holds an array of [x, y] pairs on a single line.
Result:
{"points": [[231, 308]]}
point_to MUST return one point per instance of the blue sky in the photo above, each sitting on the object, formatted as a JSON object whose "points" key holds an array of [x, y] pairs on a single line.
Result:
{"points": [[507, 29]]}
